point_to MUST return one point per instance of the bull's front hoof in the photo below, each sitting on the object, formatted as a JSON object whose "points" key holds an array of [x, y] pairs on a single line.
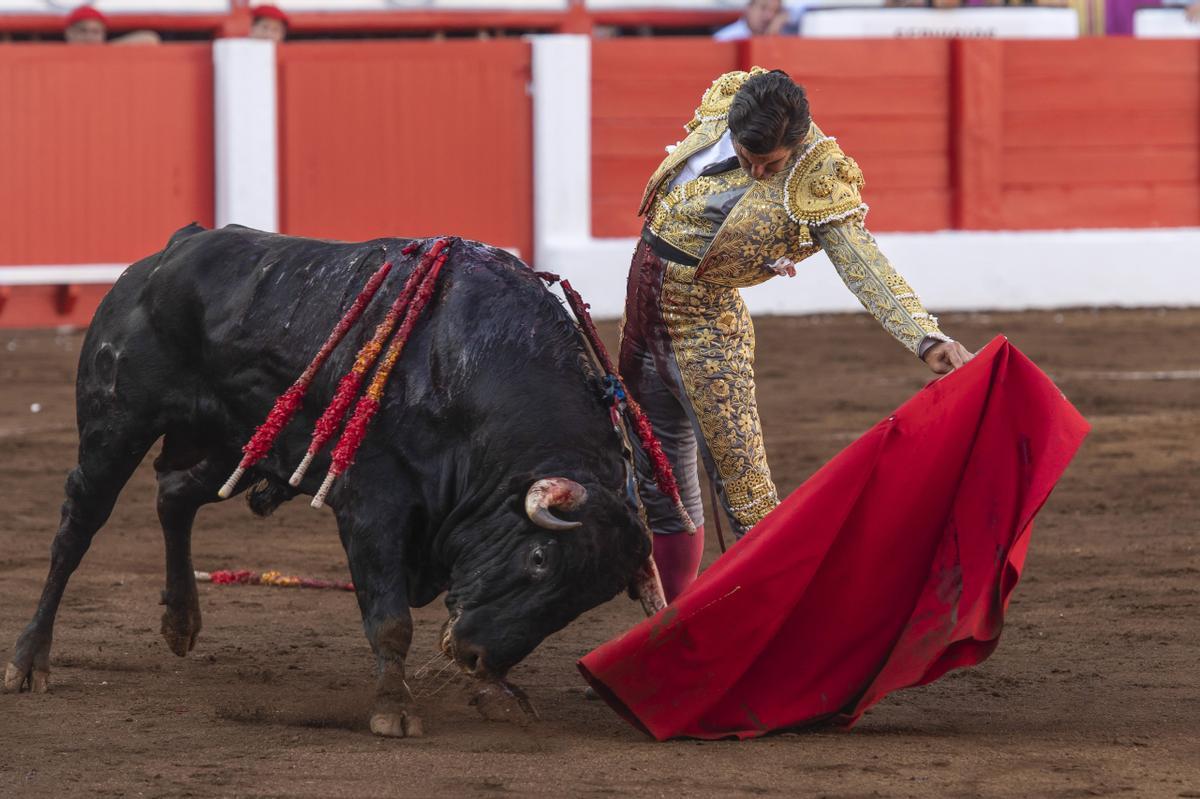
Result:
{"points": [[28, 679], [503, 701], [181, 624], [396, 725], [180, 627]]}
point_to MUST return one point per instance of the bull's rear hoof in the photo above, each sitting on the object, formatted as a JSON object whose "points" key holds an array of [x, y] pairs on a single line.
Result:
{"points": [[396, 725], [180, 628], [18, 679]]}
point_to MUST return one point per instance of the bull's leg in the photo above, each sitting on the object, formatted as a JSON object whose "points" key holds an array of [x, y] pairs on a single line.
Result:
{"points": [[387, 621], [106, 461], [390, 633], [181, 492]]}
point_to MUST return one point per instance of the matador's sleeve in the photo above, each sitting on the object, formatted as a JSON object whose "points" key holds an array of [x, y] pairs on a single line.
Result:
{"points": [[879, 287]]}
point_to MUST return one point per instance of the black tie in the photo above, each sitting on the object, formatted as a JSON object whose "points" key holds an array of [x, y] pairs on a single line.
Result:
{"points": [[718, 167]]}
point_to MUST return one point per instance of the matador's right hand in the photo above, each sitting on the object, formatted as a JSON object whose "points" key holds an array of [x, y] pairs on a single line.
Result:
{"points": [[946, 356], [783, 267]]}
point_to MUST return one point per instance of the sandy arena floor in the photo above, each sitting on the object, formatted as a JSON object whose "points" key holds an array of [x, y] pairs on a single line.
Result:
{"points": [[1094, 691]]}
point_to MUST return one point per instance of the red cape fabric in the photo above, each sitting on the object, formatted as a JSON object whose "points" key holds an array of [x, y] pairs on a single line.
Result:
{"points": [[890, 566]]}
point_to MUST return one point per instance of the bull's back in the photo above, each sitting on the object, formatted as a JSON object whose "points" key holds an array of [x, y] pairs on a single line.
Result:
{"points": [[232, 285]]}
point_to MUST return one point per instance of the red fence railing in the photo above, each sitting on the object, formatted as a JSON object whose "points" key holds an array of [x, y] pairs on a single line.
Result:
{"points": [[407, 138]]}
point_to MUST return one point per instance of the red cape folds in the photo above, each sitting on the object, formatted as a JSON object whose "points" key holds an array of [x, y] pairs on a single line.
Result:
{"points": [[890, 566]]}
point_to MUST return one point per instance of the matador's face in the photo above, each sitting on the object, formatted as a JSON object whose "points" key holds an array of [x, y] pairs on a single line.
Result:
{"points": [[761, 167]]}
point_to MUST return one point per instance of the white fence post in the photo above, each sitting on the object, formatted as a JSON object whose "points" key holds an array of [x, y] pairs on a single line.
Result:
{"points": [[246, 133]]}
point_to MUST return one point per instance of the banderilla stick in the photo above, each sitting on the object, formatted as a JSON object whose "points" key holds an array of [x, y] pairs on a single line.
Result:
{"points": [[289, 401]]}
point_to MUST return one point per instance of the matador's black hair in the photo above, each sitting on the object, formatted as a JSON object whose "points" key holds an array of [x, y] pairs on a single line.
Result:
{"points": [[769, 111]]}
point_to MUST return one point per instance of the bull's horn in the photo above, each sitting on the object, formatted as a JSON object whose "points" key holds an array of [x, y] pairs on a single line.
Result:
{"points": [[554, 492]]}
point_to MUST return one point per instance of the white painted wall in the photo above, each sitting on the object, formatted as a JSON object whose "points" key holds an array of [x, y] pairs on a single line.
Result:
{"points": [[562, 145], [246, 133], [951, 270], [1164, 23], [60, 274]]}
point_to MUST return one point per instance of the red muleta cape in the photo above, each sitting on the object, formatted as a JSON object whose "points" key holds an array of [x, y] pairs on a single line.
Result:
{"points": [[890, 566]]}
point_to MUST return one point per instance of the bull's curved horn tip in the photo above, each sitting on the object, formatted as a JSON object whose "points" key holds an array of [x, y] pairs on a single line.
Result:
{"points": [[554, 492]]}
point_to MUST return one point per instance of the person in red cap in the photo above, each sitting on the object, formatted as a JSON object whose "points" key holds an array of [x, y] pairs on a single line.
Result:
{"points": [[86, 25], [269, 23]]}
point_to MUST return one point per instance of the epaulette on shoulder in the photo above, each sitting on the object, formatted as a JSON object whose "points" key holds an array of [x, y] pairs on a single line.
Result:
{"points": [[714, 105], [824, 185]]}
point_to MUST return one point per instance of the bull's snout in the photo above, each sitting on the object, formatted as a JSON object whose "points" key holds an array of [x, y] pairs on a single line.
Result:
{"points": [[471, 659], [470, 656]]}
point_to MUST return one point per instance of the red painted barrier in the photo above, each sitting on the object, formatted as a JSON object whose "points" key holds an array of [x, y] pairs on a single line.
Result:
{"points": [[407, 138], [643, 91], [1100, 133], [105, 153], [888, 103], [49, 306]]}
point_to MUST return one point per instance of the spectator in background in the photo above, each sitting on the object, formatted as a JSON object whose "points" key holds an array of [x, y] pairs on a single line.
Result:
{"points": [[269, 22], [762, 18], [1190, 7], [86, 25]]}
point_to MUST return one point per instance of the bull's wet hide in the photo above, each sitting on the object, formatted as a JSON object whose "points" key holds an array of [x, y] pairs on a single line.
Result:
{"points": [[891, 565]]}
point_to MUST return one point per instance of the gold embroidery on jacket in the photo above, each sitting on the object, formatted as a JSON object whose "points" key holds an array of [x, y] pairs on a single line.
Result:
{"points": [[705, 127], [717, 99], [878, 286], [713, 341], [823, 185], [757, 232], [678, 217]]}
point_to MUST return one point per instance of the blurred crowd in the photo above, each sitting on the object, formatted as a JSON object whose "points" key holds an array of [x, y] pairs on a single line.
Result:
{"points": [[87, 25], [775, 18]]}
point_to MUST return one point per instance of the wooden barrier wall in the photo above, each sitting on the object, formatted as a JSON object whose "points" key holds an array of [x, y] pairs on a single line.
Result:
{"points": [[991, 135], [103, 153], [407, 138], [641, 98]]}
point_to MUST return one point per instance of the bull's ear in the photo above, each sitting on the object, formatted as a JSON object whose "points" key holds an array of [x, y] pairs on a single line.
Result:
{"points": [[554, 492]]}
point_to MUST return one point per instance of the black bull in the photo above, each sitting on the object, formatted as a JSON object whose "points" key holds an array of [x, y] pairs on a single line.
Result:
{"points": [[495, 392]]}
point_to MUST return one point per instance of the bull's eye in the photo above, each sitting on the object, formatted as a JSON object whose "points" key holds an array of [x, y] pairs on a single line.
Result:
{"points": [[539, 560]]}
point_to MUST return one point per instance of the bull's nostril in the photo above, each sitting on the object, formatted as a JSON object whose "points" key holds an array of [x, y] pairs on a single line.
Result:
{"points": [[473, 661]]}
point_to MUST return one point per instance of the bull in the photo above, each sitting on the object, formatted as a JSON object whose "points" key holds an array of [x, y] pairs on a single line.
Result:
{"points": [[492, 472]]}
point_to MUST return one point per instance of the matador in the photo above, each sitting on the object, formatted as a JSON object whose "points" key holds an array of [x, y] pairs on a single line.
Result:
{"points": [[754, 188]]}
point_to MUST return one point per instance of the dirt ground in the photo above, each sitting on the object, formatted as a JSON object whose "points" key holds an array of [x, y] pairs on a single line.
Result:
{"points": [[1094, 690]]}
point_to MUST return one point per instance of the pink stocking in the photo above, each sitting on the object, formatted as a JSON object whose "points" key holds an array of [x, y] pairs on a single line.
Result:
{"points": [[678, 559]]}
